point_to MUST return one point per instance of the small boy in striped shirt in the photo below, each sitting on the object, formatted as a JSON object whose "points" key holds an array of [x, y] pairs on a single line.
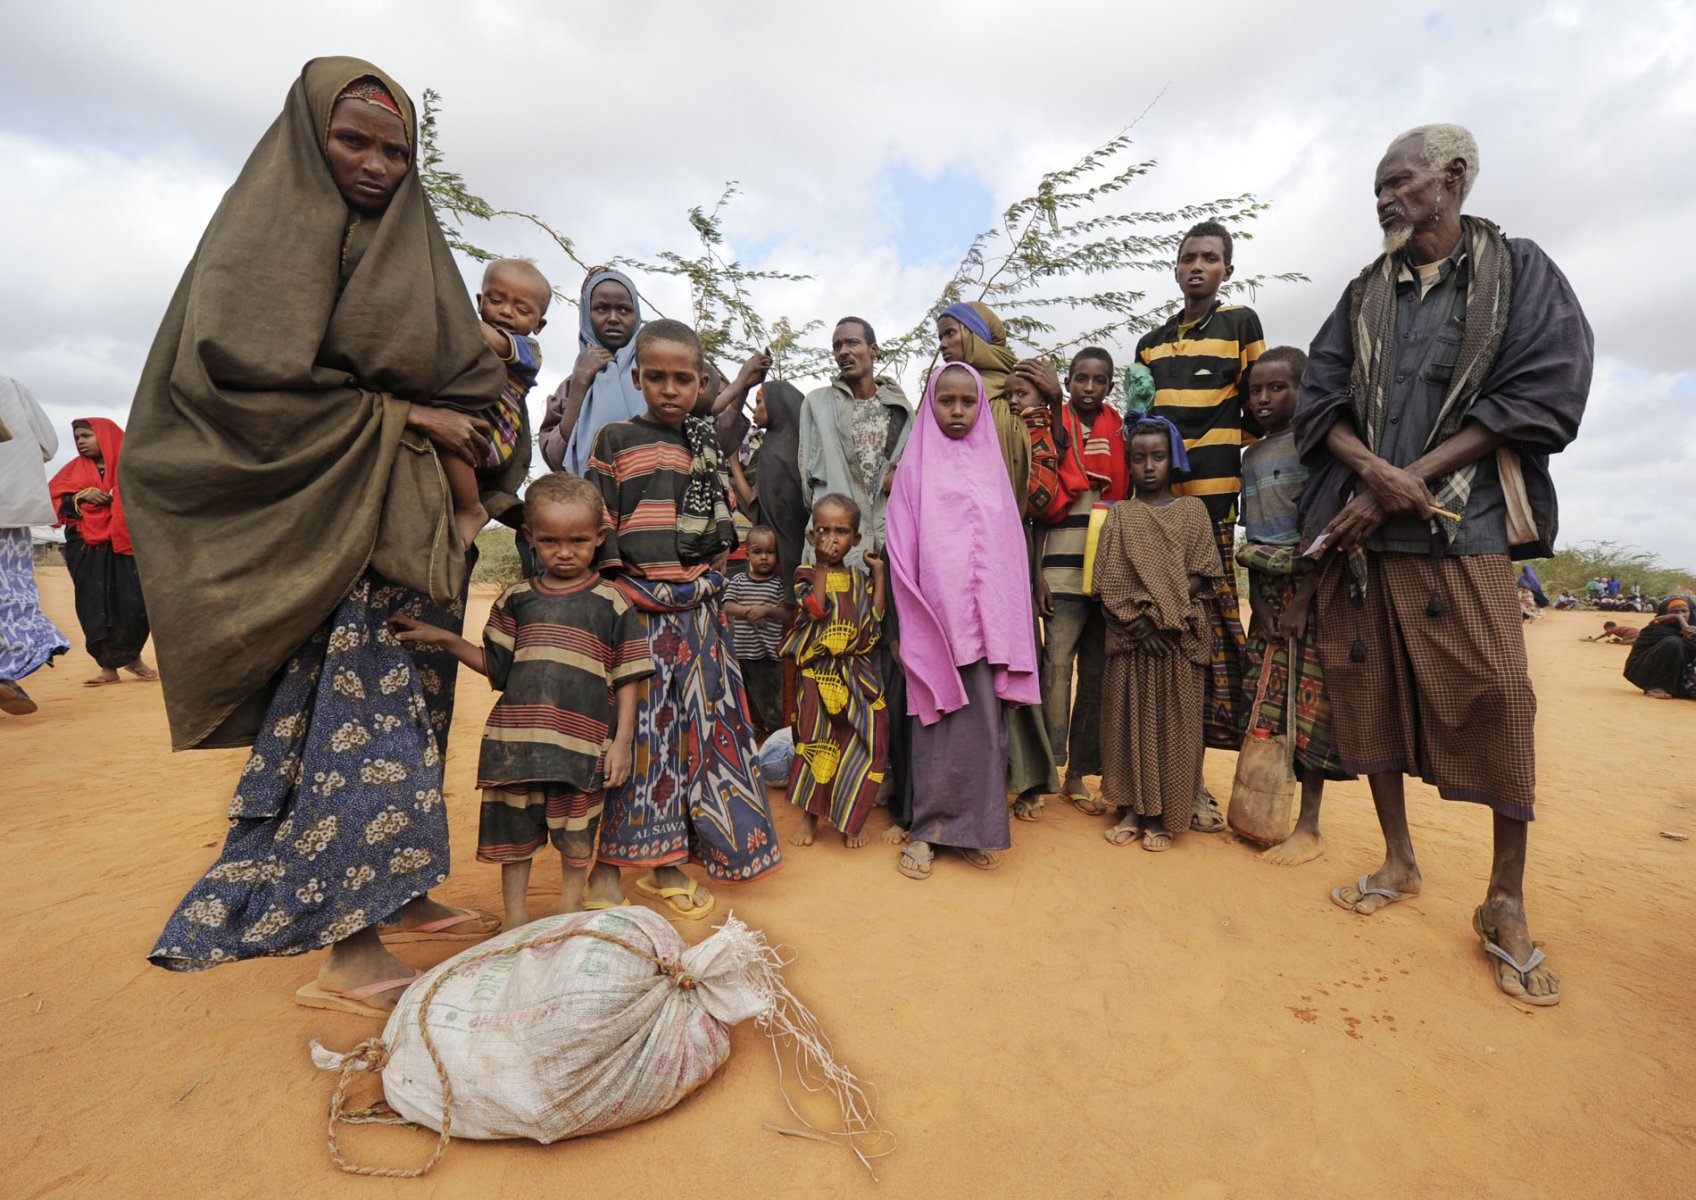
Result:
{"points": [[759, 606]]}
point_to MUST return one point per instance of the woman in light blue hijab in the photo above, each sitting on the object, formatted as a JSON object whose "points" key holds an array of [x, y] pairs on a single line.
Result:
{"points": [[607, 320]]}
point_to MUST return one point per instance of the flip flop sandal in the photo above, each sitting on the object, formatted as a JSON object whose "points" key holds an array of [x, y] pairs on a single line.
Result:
{"points": [[445, 929], [314, 995], [1156, 841], [99, 682], [603, 905], [915, 865], [1122, 835], [1365, 887], [145, 674], [1090, 806], [1487, 939], [1028, 810], [983, 860], [15, 700], [669, 895]]}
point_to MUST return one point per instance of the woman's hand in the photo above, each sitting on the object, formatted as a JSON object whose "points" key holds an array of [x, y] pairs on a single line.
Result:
{"points": [[1042, 375], [1358, 521], [93, 497], [590, 363], [452, 432]]}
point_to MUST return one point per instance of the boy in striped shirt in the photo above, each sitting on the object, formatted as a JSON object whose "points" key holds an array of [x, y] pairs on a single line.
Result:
{"points": [[1199, 359]]}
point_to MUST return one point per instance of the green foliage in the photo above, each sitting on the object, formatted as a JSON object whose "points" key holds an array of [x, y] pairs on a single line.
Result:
{"points": [[1073, 244], [1574, 566]]}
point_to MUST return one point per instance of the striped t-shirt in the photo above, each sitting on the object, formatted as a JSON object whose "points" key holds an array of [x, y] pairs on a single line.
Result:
{"points": [[1198, 371], [1273, 480], [754, 642], [642, 470], [558, 653], [1063, 550]]}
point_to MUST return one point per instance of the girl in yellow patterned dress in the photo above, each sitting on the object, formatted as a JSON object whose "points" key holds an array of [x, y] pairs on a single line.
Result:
{"points": [[842, 722]]}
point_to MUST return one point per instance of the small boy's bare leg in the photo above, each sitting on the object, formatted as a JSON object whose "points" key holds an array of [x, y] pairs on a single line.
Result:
{"points": [[571, 893], [515, 882], [894, 835], [808, 831], [469, 515], [1304, 844], [468, 523], [855, 840], [603, 886]]}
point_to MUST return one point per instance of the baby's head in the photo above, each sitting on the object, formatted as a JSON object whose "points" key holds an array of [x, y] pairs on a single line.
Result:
{"points": [[836, 528], [762, 552], [515, 296], [668, 370], [564, 518], [1022, 393]]}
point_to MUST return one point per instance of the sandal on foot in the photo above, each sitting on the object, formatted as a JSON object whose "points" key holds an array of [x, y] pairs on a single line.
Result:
{"points": [[145, 674], [671, 895], [101, 681], [444, 929], [315, 995], [1122, 835], [1028, 810], [1090, 806], [1206, 818], [1365, 888], [1487, 939], [14, 699], [983, 860], [603, 905], [915, 864], [1156, 841]]}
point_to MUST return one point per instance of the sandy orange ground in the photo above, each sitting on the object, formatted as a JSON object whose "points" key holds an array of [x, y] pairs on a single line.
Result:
{"points": [[1088, 1021]]}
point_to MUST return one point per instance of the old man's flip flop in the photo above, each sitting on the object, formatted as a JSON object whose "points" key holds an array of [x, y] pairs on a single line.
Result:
{"points": [[1487, 939], [1365, 887]]}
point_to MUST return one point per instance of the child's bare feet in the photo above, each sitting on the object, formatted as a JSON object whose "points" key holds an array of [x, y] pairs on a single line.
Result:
{"points": [[894, 835], [808, 831], [468, 523], [855, 840], [1301, 846]]}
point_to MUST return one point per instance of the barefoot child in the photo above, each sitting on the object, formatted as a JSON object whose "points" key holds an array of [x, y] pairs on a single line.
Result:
{"points": [[1155, 570], [758, 606], [692, 794], [1281, 584], [562, 730], [958, 571], [513, 308], [841, 719]]}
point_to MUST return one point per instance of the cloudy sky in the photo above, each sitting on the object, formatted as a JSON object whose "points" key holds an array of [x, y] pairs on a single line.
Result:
{"points": [[872, 140]]}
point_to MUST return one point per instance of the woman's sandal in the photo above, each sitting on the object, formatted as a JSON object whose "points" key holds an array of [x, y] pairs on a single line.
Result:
{"points": [[1028, 809], [983, 860], [451, 928], [1156, 840], [1206, 818], [315, 995], [1090, 806], [670, 896], [1122, 835]]}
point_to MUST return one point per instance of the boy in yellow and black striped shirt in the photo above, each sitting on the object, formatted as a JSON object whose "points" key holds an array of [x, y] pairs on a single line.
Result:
{"points": [[1199, 359]]}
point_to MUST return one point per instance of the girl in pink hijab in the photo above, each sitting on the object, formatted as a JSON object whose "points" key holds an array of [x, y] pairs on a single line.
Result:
{"points": [[956, 552]]}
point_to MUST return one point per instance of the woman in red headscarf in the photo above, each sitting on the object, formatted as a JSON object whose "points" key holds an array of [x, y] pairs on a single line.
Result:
{"points": [[99, 554]]}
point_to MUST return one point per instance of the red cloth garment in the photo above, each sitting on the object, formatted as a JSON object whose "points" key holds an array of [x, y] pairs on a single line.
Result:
{"points": [[1095, 461], [100, 524]]}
